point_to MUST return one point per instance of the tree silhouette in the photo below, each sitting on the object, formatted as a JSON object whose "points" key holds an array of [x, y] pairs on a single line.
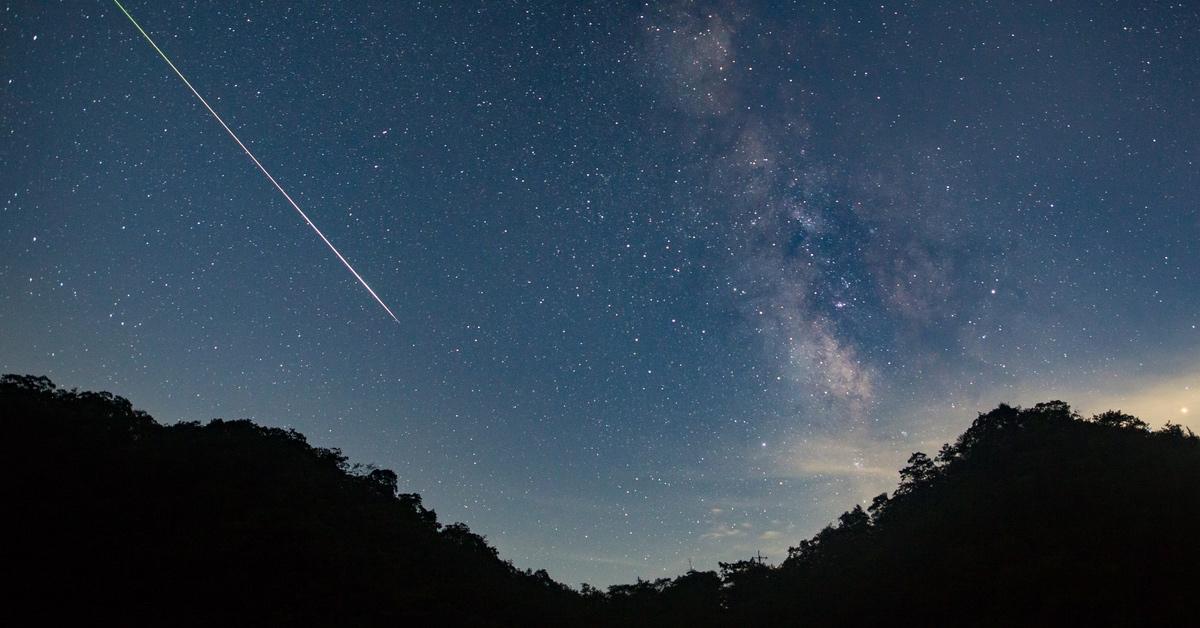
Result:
{"points": [[1031, 517], [123, 520], [1116, 418]]}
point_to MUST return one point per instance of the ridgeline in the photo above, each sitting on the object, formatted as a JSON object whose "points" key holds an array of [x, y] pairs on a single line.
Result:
{"points": [[1033, 516]]}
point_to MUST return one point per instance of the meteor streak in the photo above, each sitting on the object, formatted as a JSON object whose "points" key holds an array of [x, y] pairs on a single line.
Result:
{"points": [[249, 154]]}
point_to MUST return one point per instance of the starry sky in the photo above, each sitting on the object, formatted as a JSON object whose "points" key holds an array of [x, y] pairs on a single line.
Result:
{"points": [[676, 282]]}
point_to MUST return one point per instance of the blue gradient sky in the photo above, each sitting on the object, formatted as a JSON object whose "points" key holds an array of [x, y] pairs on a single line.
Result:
{"points": [[675, 282]]}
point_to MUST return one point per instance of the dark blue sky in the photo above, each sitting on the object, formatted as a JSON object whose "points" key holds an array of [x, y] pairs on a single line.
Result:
{"points": [[679, 281]]}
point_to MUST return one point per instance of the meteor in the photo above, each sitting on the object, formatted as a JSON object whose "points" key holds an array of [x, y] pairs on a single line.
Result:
{"points": [[258, 163]]}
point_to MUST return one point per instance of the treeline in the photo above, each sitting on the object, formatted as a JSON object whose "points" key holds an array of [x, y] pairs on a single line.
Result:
{"points": [[230, 523], [1032, 517]]}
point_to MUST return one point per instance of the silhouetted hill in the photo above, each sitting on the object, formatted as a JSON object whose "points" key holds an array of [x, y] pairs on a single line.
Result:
{"points": [[1032, 517], [229, 523]]}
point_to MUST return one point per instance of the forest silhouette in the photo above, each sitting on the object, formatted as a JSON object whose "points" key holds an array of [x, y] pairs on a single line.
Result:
{"points": [[1033, 516]]}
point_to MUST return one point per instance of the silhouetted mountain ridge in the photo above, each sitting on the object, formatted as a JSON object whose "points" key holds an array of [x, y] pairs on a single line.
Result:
{"points": [[232, 522], [1032, 517]]}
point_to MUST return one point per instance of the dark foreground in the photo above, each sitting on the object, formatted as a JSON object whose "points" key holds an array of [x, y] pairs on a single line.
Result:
{"points": [[1032, 517]]}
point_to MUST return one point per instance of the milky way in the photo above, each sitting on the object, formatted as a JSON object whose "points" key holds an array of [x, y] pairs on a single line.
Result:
{"points": [[680, 282]]}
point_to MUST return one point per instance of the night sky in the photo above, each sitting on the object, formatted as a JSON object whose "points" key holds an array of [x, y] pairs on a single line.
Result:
{"points": [[674, 282]]}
